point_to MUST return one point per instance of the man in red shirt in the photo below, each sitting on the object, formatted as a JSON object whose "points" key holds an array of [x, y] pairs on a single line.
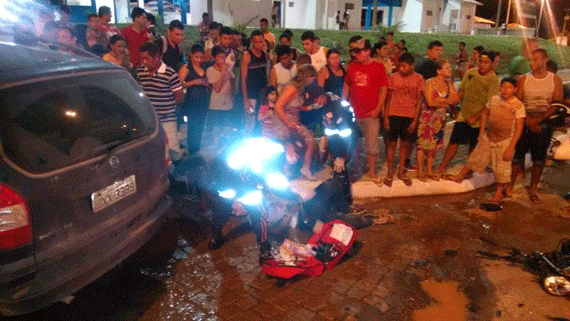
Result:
{"points": [[136, 34], [366, 84]]}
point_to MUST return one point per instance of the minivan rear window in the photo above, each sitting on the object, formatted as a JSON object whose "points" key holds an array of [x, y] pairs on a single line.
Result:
{"points": [[55, 123]]}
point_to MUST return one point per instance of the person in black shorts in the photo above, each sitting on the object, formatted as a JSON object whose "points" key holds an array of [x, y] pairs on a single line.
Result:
{"points": [[401, 115]]}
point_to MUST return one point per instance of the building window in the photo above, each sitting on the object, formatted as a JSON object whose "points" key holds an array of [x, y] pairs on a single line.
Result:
{"points": [[468, 17], [429, 13], [291, 4], [454, 14], [349, 6]]}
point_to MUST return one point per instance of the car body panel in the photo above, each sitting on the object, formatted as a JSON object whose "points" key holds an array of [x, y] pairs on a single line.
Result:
{"points": [[73, 244]]}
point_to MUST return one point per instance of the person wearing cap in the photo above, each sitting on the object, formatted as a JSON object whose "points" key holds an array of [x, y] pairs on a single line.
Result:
{"points": [[366, 86], [476, 88], [355, 41]]}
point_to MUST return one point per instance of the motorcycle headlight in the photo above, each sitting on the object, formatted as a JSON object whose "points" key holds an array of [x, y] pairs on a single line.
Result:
{"points": [[276, 181], [345, 132], [253, 154], [330, 132], [251, 198], [228, 193]]}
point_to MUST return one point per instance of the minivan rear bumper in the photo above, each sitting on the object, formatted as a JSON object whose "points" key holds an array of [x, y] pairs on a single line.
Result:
{"points": [[130, 238]]}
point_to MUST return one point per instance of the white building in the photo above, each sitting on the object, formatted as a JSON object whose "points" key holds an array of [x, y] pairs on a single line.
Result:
{"points": [[455, 16]]}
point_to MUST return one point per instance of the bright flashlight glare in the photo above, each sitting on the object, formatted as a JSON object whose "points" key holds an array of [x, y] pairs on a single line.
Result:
{"points": [[141, 94], [251, 198], [253, 153], [276, 181], [185, 119], [71, 113], [228, 193], [345, 132], [344, 103], [330, 132]]}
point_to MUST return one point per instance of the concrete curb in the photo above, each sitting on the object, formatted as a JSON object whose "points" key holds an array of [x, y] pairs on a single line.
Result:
{"points": [[368, 189]]}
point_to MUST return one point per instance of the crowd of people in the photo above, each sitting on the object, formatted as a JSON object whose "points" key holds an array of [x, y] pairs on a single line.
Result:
{"points": [[265, 86]]}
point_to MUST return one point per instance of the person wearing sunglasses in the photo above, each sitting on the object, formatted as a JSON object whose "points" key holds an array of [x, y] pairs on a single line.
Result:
{"points": [[366, 86]]}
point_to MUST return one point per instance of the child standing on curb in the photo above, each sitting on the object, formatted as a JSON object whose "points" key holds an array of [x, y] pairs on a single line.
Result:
{"points": [[401, 115], [505, 116]]}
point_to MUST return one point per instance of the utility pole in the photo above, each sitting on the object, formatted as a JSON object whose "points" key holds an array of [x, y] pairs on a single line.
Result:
{"points": [[374, 13], [508, 16], [498, 15], [539, 18], [210, 9]]}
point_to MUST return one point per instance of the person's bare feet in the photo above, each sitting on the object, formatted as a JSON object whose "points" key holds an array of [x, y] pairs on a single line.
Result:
{"points": [[508, 191], [433, 176], [496, 198], [439, 171], [449, 177], [534, 198]]}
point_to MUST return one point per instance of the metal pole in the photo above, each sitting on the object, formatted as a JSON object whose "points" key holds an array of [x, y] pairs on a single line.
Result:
{"points": [[508, 16], [374, 13], [498, 15], [539, 18]]}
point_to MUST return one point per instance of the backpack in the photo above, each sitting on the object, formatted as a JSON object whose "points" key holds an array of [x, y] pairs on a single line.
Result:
{"points": [[332, 242]]}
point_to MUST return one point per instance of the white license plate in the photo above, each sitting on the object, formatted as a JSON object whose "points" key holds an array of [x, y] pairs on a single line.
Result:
{"points": [[113, 193]]}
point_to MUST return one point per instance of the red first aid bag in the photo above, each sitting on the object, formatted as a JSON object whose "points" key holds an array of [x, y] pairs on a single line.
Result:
{"points": [[332, 242]]}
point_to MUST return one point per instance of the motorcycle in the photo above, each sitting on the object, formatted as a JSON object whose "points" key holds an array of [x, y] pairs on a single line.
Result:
{"points": [[552, 268], [247, 180]]}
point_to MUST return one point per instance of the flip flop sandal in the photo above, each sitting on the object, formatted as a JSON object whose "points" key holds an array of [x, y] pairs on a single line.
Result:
{"points": [[377, 181], [491, 206], [422, 177], [535, 199], [449, 177], [383, 219], [505, 194], [433, 177], [388, 181], [406, 180]]}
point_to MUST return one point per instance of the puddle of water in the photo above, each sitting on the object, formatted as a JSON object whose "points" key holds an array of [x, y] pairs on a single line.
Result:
{"points": [[450, 302]]}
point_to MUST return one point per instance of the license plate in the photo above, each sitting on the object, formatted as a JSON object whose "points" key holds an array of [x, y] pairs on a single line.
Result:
{"points": [[113, 193]]}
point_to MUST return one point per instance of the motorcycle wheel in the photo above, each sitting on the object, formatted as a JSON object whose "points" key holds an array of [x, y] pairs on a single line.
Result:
{"points": [[556, 285]]}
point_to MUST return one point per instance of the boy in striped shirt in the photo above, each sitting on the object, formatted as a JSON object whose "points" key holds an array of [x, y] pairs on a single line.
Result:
{"points": [[164, 91]]}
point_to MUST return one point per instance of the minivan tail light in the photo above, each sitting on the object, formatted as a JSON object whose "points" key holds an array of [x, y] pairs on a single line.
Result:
{"points": [[15, 226]]}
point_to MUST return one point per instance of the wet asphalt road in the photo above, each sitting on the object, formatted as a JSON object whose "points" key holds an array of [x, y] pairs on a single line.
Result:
{"points": [[433, 237]]}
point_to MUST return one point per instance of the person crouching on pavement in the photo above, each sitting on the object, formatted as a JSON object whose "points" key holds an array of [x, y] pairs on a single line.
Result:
{"points": [[504, 114], [287, 108]]}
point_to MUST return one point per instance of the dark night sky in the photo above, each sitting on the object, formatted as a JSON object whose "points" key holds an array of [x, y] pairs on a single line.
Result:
{"points": [[489, 11]]}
